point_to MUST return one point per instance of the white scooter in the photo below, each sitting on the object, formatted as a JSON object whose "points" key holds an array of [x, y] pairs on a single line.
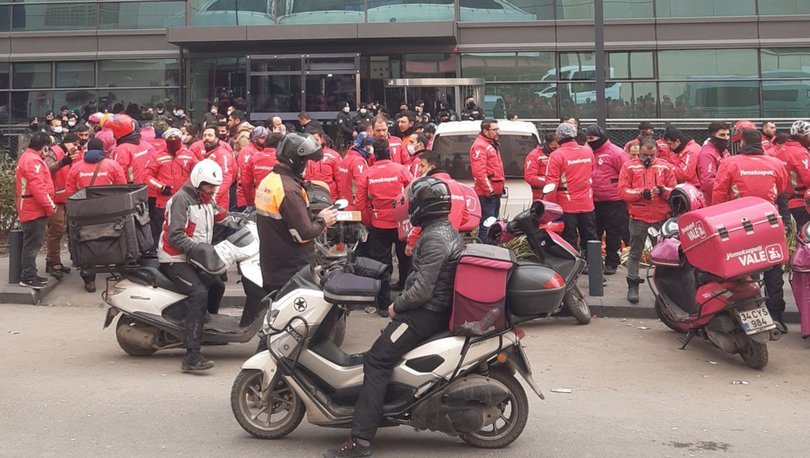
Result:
{"points": [[462, 386], [153, 311]]}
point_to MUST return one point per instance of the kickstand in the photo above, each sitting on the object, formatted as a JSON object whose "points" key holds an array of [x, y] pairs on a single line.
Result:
{"points": [[686, 339]]}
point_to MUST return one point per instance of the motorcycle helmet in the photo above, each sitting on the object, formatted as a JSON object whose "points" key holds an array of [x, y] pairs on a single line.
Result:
{"points": [[800, 128], [296, 149], [685, 198], [206, 172], [739, 127], [319, 196], [428, 197], [122, 125]]}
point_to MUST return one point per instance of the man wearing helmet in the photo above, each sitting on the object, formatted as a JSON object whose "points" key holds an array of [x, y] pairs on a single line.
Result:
{"points": [[422, 310], [189, 225], [284, 224], [796, 158]]}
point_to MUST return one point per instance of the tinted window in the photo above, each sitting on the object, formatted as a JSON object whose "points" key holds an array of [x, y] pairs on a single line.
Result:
{"points": [[455, 153]]}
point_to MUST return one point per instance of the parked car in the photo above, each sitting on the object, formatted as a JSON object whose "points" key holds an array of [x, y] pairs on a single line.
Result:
{"points": [[454, 139]]}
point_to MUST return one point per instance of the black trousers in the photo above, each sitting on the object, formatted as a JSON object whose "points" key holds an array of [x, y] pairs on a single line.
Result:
{"points": [[490, 206], [156, 224], [203, 291], [33, 237], [582, 225], [774, 284], [378, 248], [401, 335], [612, 221]]}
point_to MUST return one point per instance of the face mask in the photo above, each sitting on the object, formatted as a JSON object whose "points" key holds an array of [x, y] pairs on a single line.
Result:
{"points": [[57, 130], [179, 113], [363, 111], [173, 145], [720, 143], [34, 126], [223, 136], [345, 109], [646, 160], [470, 104], [160, 111], [71, 123], [411, 149]]}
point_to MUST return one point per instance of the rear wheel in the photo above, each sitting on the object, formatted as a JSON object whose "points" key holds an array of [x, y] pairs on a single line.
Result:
{"points": [[514, 414], [575, 302], [665, 317], [269, 415], [755, 354]]}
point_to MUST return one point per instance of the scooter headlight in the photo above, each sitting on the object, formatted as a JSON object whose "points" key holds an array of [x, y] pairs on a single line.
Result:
{"points": [[270, 319], [669, 228]]}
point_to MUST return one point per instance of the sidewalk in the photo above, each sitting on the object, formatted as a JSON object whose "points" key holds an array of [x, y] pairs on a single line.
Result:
{"points": [[70, 292]]}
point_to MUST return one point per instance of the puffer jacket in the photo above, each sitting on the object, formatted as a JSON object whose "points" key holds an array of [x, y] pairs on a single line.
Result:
{"points": [[433, 270], [377, 189], [34, 187], [707, 165], [605, 176], [570, 168], [487, 167], [189, 220], [635, 178], [534, 171], [134, 154], [459, 213], [169, 170]]}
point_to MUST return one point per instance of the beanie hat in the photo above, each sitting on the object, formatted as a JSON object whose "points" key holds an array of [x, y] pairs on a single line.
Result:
{"points": [[95, 144], [258, 133], [565, 131]]}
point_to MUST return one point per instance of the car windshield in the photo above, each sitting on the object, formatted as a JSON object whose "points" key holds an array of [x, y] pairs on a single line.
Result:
{"points": [[454, 150]]}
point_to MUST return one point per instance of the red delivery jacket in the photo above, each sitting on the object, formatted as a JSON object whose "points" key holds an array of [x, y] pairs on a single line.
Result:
{"points": [[797, 162], [609, 161], [81, 174], [227, 163], [259, 166], [487, 167], [241, 166], [685, 164], [351, 168], [570, 167], [707, 165], [325, 170], [747, 175], [635, 178], [534, 171], [169, 170], [378, 188], [59, 176], [458, 207], [35, 190]]}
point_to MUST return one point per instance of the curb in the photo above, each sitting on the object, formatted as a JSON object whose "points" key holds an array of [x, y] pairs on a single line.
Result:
{"points": [[16, 294]]}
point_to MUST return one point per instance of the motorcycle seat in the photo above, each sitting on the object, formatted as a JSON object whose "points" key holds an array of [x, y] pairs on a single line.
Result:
{"points": [[440, 335], [153, 277]]}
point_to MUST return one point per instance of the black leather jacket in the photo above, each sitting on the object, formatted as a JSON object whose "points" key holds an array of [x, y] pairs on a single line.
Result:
{"points": [[433, 270]]}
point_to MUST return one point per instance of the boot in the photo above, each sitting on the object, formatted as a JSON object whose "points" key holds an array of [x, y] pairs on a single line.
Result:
{"points": [[632, 290], [352, 448], [194, 361]]}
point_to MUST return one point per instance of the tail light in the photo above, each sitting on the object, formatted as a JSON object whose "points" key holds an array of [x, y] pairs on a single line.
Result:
{"points": [[554, 282], [113, 288]]}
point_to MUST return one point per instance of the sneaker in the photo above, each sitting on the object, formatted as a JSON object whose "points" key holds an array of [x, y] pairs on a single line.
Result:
{"points": [[610, 270], [90, 286], [780, 326], [36, 283], [351, 448], [194, 361], [383, 312]]}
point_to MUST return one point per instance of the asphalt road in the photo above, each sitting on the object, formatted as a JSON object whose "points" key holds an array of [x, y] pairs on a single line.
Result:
{"points": [[66, 389]]}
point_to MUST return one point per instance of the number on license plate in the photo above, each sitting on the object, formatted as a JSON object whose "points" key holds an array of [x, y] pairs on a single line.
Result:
{"points": [[756, 320]]}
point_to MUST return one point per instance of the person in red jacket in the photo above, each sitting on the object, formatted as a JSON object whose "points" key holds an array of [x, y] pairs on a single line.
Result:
{"points": [[354, 163], [610, 209], [534, 169], [417, 146], [132, 152], [683, 155], [645, 184], [752, 173], [35, 204], [259, 166], [714, 151], [258, 138], [59, 159], [215, 151], [487, 171], [326, 169], [377, 189], [768, 135], [570, 169], [796, 157], [430, 165], [94, 170], [380, 131], [166, 174], [406, 126], [645, 130]]}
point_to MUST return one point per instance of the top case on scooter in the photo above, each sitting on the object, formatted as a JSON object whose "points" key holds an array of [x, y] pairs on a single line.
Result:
{"points": [[735, 238], [479, 300]]}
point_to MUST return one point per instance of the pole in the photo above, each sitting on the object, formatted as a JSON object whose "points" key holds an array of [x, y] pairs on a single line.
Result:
{"points": [[595, 286], [15, 242], [599, 57]]}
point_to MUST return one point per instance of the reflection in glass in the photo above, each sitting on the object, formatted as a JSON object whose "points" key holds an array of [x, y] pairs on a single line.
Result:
{"points": [[276, 93], [637, 64], [702, 8], [709, 99], [786, 99], [429, 66], [628, 9], [454, 152], [109, 98], [512, 66], [707, 62], [141, 15], [503, 11], [527, 100], [139, 73], [410, 10], [54, 16], [328, 92], [32, 75], [233, 12], [320, 12], [5, 71], [75, 74], [27, 104], [785, 62], [786, 7], [280, 64], [574, 9], [221, 80], [636, 100]]}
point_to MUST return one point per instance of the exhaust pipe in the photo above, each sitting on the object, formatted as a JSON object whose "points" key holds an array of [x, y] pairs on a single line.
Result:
{"points": [[138, 336]]}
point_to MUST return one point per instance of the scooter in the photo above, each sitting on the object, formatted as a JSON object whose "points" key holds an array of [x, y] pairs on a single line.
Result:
{"points": [[462, 386], [152, 310], [800, 273], [538, 225], [728, 312]]}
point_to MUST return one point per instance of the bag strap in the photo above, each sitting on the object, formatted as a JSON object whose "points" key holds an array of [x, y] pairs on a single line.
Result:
{"points": [[95, 174]]}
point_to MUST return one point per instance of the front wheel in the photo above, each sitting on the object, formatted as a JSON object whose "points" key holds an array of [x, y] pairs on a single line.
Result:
{"points": [[514, 415], [267, 415], [755, 354], [575, 302]]}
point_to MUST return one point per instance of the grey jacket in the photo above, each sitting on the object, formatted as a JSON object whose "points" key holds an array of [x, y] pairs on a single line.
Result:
{"points": [[433, 270]]}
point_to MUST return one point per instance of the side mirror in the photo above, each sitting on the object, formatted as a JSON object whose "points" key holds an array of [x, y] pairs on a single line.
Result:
{"points": [[549, 188], [341, 204], [490, 221], [653, 232], [538, 208]]}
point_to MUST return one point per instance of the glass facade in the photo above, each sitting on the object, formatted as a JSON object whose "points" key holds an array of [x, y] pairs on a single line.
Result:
{"points": [[39, 15], [704, 8]]}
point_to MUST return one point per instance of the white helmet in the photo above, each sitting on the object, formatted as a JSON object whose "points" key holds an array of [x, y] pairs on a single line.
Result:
{"points": [[206, 172], [800, 128]]}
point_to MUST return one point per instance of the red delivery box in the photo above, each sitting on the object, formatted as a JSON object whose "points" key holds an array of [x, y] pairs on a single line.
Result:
{"points": [[735, 238]]}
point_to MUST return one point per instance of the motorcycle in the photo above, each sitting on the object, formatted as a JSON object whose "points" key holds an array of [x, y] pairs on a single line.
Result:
{"points": [[800, 273], [152, 310], [542, 233], [694, 295], [462, 386]]}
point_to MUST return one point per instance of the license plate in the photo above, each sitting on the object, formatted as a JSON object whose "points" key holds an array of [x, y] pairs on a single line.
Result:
{"points": [[756, 320]]}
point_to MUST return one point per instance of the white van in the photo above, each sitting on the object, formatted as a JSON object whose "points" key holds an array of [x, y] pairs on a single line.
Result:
{"points": [[453, 141], [578, 82]]}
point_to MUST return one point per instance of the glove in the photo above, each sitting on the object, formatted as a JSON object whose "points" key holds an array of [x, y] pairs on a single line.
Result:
{"points": [[236, 220], [166, 190], [647, 194]]}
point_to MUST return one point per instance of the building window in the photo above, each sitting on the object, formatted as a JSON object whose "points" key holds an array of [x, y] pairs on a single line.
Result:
{"points": [[733, 63], [710, 99], [704, 8], [628, 9], [510, 66], [513, 11], [785, 62], [54, 16], [75, 74], [32, 75], [786, 98], [139, 73], [5, 71], [632, 65], [574, 9], [785, 7], [631, 100], [142, 15], [406, 11]]}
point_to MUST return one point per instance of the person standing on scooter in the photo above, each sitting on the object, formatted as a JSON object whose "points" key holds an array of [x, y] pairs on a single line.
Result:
{"points": [[752, 173], [644, 183], [422, 310], [570, 169]]}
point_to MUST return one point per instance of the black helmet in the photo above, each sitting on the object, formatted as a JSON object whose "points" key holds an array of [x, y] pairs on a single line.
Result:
{"points": [[296, 149], [428, 198]]}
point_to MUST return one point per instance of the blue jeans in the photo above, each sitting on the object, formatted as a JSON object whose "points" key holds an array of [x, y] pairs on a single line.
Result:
{"points": [[490, 206]]}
